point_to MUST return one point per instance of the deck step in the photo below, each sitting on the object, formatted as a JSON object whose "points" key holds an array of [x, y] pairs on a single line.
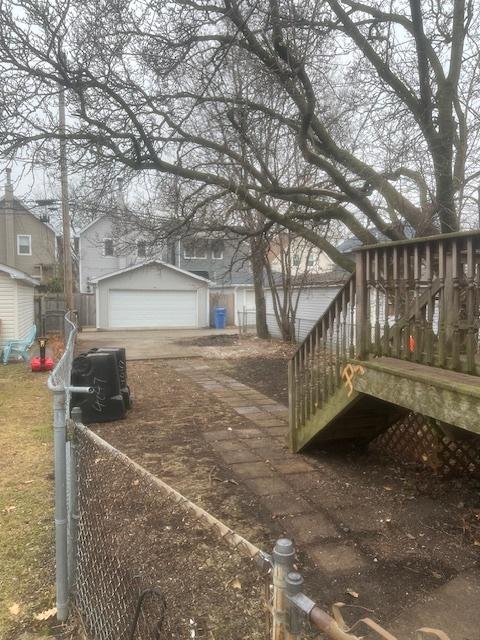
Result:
{"points": [[448, 396]]}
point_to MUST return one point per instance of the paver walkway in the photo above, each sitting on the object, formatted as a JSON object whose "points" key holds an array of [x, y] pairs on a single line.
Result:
{"points": [[258, 456]]}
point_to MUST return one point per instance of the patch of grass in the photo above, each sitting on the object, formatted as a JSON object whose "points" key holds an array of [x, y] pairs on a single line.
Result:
{"points": [[26, 498]]}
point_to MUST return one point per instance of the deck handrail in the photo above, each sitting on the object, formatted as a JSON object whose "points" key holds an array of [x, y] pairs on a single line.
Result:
{"points": [[315, 367]]}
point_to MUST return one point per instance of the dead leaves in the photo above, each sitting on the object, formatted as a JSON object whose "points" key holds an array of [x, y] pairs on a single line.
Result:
{"points": [[46, 615], [15, 609]]}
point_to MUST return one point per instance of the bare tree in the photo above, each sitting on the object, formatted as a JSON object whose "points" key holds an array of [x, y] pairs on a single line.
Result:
{"points": [[380, 100]]}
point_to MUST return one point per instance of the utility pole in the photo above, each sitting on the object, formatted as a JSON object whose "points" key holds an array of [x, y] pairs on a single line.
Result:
{"points": [[67, 249]]}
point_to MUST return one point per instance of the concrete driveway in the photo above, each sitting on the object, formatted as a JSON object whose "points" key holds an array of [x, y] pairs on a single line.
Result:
{"points": [[149, 344]]}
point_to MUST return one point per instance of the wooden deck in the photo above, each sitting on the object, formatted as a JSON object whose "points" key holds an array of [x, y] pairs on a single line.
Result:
{"points": [[408, 322]]}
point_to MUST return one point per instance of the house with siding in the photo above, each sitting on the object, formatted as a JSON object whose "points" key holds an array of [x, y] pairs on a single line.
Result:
{"points": [[26, 242], [113, 244], [16, 303], [104, 247]]}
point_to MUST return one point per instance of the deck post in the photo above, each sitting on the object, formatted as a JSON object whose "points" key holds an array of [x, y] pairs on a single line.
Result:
{"points": [[361, 305]]}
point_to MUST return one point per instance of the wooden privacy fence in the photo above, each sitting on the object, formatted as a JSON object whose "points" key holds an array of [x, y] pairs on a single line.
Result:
{"points": [[50, 311]]}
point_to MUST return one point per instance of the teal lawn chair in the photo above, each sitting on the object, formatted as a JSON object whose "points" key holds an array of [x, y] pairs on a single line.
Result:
{"points": [[20, 347]]}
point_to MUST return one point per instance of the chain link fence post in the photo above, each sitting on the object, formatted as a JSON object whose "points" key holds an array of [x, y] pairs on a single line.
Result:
{"points": [[293, 585], [73, 507], [60, 468], [283, 554]]}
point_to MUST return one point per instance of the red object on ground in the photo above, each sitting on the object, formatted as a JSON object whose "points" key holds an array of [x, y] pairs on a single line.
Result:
{"points": [[38, 364], [411, 344]]}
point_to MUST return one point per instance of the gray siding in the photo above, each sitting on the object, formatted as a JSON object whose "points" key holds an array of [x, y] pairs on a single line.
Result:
{"points": [[93, 262], [151, 277], [233, 268], [312, 303], [17, 220]]}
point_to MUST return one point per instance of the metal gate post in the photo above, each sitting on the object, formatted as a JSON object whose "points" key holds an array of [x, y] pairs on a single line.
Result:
{"points": [[59, 444], [283, 554], [73, 512]]}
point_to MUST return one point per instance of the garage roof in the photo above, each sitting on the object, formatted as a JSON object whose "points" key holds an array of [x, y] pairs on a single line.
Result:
{"points": [[15, 274], [145, 264]]}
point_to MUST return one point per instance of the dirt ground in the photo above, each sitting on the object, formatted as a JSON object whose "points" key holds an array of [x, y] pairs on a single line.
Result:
{"points": [[413, 528]]}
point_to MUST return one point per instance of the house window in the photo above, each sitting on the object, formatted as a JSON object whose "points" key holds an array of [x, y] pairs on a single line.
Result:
{"points": [[141, 248], [296, 259], [217, 249], [107, 247], [24, 245], [310, 260], [195, 250]]}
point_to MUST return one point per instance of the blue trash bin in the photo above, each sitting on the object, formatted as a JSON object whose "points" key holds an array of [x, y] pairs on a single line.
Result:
{"points": [[220, 317]]}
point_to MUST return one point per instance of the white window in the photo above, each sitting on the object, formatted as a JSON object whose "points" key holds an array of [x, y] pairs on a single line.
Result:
{"points": [[217, 249], [297, 258], [141, 248], [107, 247], [24, 245], [310, 259], [195, 250]]}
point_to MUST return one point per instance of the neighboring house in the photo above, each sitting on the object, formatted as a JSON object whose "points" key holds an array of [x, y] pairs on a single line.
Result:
{"points": [[313, 299], [16, 303], [303, 255], [153, 294], [103, 249], [26, 242]]}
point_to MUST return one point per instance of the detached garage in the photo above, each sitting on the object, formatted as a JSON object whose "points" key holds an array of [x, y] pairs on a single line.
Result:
{"points": [[16, 304], [154, 295]]}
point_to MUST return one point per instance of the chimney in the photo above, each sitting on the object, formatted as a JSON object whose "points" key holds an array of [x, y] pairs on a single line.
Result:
{"points": [[120, 199], [9, 187], [10, 239]]}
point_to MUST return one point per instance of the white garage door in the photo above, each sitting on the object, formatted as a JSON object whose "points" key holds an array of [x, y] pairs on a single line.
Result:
{"points": [[151, 308]]}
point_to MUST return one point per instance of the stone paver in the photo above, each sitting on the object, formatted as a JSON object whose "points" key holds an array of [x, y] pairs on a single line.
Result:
{"points": [[337, 558], [270, 453], [277, 431], [246, 410], [294, 465], [217, 435], [248, 433], [268, 486], [286, 504], [305, 481], [253, 470], [306, 529], [231, 457]]}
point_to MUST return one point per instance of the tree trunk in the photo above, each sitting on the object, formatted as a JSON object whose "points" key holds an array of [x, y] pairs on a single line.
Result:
{"points": [[257, 258]]}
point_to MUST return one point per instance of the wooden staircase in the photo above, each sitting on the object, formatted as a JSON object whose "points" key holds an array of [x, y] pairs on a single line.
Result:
{"points": [[401, 335]]}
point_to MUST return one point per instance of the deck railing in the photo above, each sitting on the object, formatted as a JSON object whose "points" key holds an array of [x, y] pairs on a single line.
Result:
{"points": [[419, 300], [416, 300], [315, 368]]}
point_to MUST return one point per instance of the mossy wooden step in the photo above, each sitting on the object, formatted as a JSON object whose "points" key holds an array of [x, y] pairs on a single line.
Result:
{"points": [[448, 396]]}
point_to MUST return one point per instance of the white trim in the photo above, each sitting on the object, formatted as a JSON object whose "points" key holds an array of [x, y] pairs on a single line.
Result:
{"points": [[24, 235], [90, 224], [186, 257], [144, 264], [15, 274], [97, 307], [80, 280]]}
